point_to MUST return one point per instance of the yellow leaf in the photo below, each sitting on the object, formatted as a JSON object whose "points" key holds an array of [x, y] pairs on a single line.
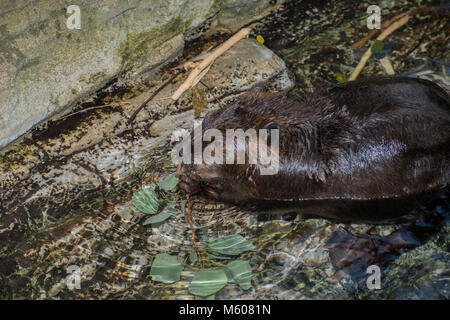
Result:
{"points": [[260, 39], [340, 77]]}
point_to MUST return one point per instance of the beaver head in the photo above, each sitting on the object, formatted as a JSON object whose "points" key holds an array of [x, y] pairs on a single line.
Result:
{"points": [[301, 138]]}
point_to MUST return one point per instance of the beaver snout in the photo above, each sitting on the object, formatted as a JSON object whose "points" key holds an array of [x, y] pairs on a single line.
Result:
{"points": [[195, 181], [189, 185]]}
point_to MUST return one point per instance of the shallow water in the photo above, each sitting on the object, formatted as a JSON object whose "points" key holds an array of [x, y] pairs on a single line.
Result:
{"points": [[105, 241]]}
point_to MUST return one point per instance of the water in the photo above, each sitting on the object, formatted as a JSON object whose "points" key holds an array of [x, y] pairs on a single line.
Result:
{"points": [[105, 241]]}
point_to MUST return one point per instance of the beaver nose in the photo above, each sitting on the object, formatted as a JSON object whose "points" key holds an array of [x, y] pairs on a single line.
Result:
{"points": [[211, 192]]}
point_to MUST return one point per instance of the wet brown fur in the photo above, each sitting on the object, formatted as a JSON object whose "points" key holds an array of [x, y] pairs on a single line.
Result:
{"points": [[368, 150]]}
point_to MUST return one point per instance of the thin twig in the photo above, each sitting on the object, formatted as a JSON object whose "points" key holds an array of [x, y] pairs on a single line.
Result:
{"points": [[273, 11], [189, 212], [396, 23], [187, 84], [422, 9], [381, 37], [190, 219], [372, 33]]}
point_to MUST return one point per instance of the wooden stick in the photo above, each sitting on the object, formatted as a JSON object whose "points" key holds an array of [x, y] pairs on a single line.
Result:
{"points": [[392, 28], [422, 9], [387, 66], [187, 84], [373, 32], [381, 37]]}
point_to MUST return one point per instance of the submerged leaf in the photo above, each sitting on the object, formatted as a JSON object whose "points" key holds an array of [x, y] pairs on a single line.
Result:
{"points": [[377, 46], [241, 272], [166, 268], [340, 77], [170, 183], [167, 212], [232, 245], [208, 282], [146, 201]]}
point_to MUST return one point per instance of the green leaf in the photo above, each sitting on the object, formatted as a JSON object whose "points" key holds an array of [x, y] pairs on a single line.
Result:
{"points": [[232, 245], [170, 183], [377, 46], [167, 212], [208, 282], [340, 77], [241, 272], [166, 268], [146, 201]]}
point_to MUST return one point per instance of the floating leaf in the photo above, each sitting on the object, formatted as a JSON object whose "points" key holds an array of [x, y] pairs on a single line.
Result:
{"points": [[260, 39], [241, 272], [208, 282], [167, 212], [166, 268], [146, 201], [232, 245], [170, 183], [377, 46]]}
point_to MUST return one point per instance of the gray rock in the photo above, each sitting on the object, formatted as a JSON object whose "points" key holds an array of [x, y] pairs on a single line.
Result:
{"points": [[238, 12], [45, 68]]}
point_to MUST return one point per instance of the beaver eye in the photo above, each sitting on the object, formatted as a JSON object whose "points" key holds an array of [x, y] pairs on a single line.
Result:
{"points": [[240, 111], [218, 186], [215, 184], [270, 125]]}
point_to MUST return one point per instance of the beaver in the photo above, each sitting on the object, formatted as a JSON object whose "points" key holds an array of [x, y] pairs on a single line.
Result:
{"points": [[368, 150]]}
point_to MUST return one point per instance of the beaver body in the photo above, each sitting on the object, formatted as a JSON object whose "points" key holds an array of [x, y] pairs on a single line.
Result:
{"points": [[365, 151]]}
